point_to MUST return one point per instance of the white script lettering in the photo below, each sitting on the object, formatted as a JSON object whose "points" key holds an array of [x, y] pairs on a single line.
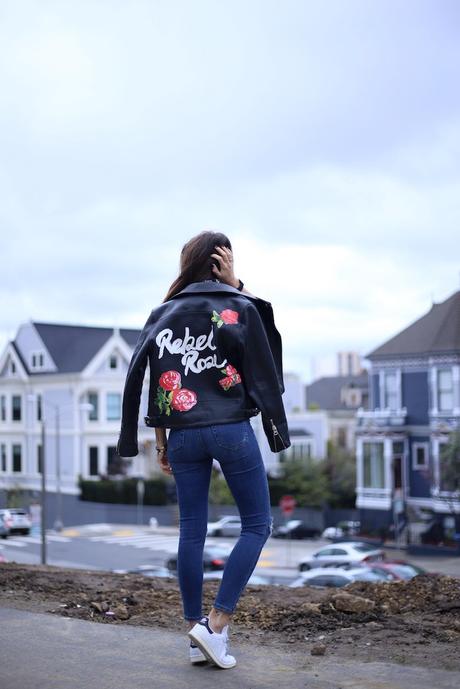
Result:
{"points": [[189, 347]]}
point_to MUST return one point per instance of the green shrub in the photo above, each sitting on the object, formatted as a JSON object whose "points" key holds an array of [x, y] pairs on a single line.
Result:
{"points": [[125, 491]]}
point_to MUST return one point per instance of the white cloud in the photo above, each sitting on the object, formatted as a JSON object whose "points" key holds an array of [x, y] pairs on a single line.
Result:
{"points": [[324, 143]]}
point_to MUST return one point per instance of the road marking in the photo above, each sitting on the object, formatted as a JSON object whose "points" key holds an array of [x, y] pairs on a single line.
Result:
{"points": [[123, 532], [10, 541], [49, 537], [70, 532], [151, 541], [22, 541], [127, 540], [266, 563]]}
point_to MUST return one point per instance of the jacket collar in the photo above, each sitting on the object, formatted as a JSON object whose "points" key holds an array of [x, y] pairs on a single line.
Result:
{"points": [[214, 286], [263, 306], [206, 286]]}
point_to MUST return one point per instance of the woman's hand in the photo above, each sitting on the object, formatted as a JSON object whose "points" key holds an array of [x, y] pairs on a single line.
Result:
{"points": [[224, 258], [162, 459]]}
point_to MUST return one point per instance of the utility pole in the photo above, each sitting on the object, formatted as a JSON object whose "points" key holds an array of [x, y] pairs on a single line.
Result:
{"points": [[43, 497]]}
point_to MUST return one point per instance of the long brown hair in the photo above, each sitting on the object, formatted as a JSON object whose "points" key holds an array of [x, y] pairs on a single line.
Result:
{"points": [[196, 260]]}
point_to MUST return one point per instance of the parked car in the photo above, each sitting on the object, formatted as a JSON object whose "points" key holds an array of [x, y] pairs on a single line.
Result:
{"points": [[342, 553], [226, 526], [18, 519], [296, 528], [5, 521], [213, 558], [399, 570], [343, 528], [147, 571], [333, 577]]}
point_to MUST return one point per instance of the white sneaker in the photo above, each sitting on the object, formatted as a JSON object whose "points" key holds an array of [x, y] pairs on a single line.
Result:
{"points": [[196, 654], [212, 644]]}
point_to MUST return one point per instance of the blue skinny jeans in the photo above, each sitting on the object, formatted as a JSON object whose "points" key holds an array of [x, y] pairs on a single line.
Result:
{"points": [[190, 453]]}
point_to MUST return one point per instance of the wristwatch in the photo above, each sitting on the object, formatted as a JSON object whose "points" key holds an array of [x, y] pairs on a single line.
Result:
{"points": [[240, 286]]}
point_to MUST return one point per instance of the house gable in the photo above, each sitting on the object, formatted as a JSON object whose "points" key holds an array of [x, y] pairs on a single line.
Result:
{"points": [[11, 364]]}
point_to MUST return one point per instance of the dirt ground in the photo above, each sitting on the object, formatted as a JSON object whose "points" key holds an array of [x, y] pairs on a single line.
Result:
{"points": [[414, 623]]}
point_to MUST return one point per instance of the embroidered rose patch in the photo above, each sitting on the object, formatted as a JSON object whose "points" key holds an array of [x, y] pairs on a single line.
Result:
{"points": [[171, 394], [232, 377], [170, 380], [226, 316]]}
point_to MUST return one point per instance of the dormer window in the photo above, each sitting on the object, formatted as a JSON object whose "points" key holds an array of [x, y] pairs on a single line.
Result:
{"points": [[12, 367], [113, 361], [37, 360]]}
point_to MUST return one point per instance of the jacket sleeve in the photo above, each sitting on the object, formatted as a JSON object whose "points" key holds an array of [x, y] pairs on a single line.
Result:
{"points": [[261, 378], [127, 445]]}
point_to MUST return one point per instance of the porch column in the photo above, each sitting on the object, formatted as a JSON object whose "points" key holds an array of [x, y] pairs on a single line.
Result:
{"points": [[388, 456]]}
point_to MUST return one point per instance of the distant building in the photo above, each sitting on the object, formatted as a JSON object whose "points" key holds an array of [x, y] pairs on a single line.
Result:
{"points": [[349, 364], [72, 376], [414, 403], [307, 430], [339, 397]]}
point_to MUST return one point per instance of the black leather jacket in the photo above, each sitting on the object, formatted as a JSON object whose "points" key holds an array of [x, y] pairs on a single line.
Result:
{"points": [[215, 356]]}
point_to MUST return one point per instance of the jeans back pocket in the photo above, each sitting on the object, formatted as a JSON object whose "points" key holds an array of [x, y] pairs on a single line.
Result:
{"points": [[231, 436], [176, 439]]}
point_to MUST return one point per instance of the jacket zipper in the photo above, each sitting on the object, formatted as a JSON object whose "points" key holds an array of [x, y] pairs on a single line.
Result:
{"points": [[276, 433]]}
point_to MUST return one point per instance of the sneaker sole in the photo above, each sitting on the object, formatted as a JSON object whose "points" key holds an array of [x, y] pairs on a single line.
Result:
{"points": [[208, 652], [194, 661]]}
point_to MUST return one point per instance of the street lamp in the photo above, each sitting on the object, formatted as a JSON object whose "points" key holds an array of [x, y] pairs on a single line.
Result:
{"points": [[58, 523]]}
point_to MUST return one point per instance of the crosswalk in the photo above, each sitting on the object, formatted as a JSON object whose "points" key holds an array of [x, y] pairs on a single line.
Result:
{"points": [[168, 543], [152, 541], [23, 541]]}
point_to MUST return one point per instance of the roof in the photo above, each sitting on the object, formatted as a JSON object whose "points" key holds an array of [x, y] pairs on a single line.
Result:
{"points": [[325, 392], [438, 331], [73, 346]]}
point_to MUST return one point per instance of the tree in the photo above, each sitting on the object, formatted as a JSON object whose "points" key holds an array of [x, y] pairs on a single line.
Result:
{"points": [[340, 469], [449, 469], [306, 480]]}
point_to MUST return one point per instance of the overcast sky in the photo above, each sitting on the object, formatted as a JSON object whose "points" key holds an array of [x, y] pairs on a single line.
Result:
{"points": [[322, 137]]}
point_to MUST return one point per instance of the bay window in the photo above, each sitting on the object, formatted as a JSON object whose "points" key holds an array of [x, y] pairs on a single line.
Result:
{"points": [[445, 389], [373, 465]]}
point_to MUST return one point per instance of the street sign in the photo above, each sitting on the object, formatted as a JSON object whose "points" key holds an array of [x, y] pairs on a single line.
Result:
{"points": [[287, 504]]}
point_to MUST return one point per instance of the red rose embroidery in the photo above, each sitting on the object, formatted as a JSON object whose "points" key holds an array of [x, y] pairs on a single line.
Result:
{"points": [[227, 317], [226, 383], [170, 380], [232, 377], [231, 371], [183, 399], [170, 394]]}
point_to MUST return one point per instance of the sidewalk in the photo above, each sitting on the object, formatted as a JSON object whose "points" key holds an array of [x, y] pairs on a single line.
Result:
{"points": [[41, 651]]}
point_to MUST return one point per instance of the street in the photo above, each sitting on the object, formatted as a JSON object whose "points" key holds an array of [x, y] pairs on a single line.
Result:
{"points": [[111, 546]]}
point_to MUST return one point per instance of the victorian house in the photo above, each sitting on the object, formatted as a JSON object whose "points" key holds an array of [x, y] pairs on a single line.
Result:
{"points": [[414, 402]]}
